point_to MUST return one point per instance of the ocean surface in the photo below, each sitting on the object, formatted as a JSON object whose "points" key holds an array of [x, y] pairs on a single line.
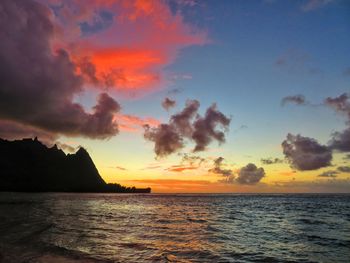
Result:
{"points": [[93, 228]]}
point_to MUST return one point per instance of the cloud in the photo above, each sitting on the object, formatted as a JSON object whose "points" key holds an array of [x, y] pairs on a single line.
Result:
{"points": [[122, 44], [340, 140], [181, 168], [218, 163], [120, 168], [152, 167], [66, 147], [250, 174], [37, 85], [344, 169], [292, 59], [175, 91], [166, 139], [340, 104], [247, 175], [14, 131], [188, 162], [168, 103], [305, 153], [188, 125], [329, 174], [132, 123], [182, 120], [192, 159], [296, 99], [268, 161], [205, 128], [311, 5]]}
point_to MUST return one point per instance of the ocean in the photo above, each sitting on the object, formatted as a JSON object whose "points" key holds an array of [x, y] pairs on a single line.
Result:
{"points": [[59, 227]]}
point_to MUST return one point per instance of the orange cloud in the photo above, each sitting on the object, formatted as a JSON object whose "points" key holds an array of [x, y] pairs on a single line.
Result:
{"points": [[181, 168], [131, 123], [127, 43]]}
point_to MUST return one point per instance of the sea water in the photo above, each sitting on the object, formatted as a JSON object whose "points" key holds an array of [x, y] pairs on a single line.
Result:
{"points": [[58, 227]]}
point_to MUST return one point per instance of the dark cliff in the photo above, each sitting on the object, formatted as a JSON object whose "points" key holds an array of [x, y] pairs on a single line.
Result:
{"points": [[29, 166]]}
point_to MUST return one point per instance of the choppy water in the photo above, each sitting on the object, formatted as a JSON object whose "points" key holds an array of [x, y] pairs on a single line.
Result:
{"points": [[174, 228]]}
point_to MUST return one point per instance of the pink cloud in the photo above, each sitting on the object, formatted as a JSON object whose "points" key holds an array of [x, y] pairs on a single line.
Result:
{"points": [[129, 51]]}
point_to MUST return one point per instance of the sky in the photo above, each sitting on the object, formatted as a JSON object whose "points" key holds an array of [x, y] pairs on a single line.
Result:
{"points": [[185, 95]]}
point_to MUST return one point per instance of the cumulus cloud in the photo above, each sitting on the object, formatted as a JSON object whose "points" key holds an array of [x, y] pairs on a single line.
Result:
{"points": [[344, 169], [250, 174], [340, 140], [329, 174], [305, 153], [167, 103], [37, 85], [268, 161], [340, 104], [188, 125], [296, 99], [166, 139], [182, 121], [218, 168], [247, 175], [205, 128]]}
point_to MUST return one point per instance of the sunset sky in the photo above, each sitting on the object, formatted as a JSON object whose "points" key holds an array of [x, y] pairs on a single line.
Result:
{"points": [[185, 95]]}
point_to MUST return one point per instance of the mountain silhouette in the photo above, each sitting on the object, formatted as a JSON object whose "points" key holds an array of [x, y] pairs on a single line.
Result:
{"points": [[29, 166]]}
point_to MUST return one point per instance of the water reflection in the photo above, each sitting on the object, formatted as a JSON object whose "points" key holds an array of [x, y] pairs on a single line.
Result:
{"points": [[183, 228]]}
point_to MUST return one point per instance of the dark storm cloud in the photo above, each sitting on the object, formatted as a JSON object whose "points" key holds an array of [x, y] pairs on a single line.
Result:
{"points": [[344, 169], [250, 174], [37, 87], [168, 103], [205, 128], [329, 174], [268, 161], [188, 124], [296, 99], [305, 153], [217, 169]]}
